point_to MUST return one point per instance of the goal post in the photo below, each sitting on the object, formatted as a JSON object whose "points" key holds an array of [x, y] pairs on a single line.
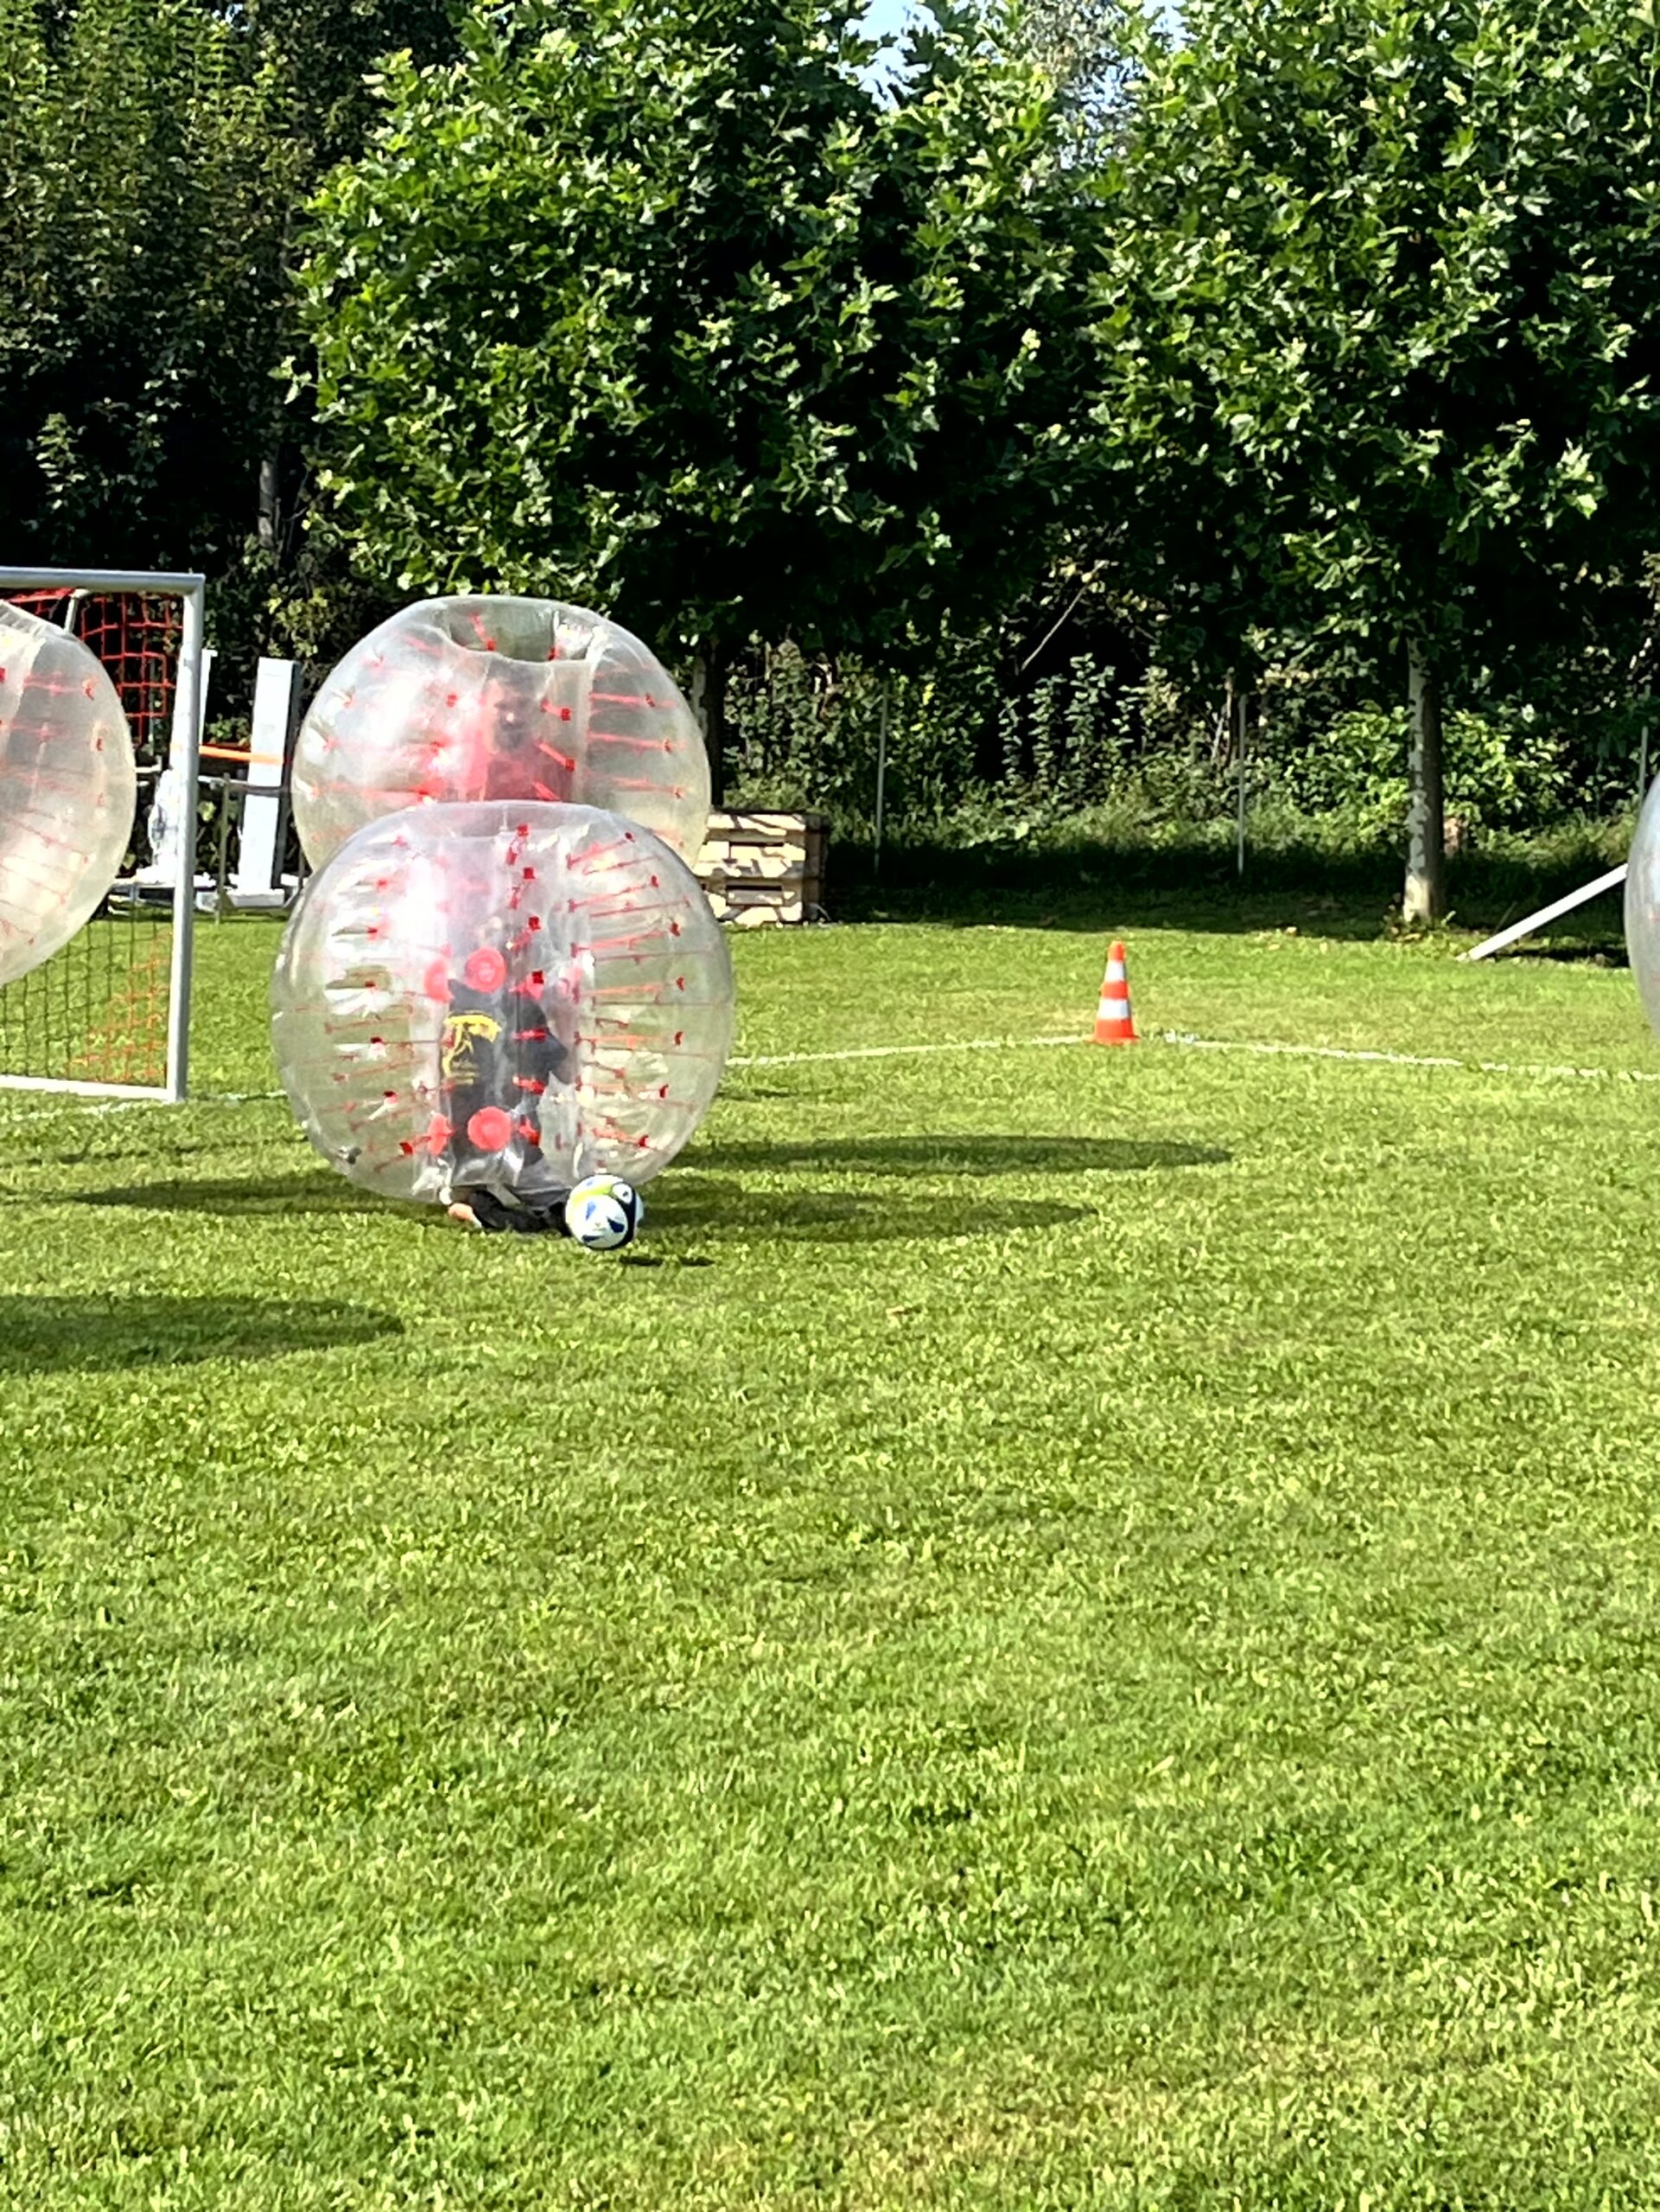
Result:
{"points": [[59, 1035]]}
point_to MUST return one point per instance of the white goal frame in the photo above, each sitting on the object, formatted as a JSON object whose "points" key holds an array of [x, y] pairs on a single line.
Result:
{"points": [[184, 753]]}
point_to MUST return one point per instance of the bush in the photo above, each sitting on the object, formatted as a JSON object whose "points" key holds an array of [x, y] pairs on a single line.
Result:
{"points": [[1499, 774], [975, 757]]}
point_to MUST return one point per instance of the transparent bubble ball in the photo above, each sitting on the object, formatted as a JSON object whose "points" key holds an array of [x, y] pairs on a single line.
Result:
{"points": [[67, 788], [498, 698], [512, 996]]}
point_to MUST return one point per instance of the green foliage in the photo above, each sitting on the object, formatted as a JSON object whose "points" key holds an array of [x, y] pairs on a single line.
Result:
{"points": [[325, 55], [805, 733], [1502, 775], [154, 155], [1379, 337], [675, 315], [808, 732], [975, 757], [1089, 47], [144, 191], [1057, 739], [671, 310]]}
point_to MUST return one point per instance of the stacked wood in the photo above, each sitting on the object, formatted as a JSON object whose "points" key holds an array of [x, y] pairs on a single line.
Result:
{"points": [[762, 868]]}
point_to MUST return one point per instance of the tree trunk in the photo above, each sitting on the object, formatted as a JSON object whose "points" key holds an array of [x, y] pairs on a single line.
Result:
{"points": [[709, 705], [1426, 805]]}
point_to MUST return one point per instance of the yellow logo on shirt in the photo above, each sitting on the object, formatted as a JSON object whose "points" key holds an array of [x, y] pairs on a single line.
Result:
{"points": [[461, 1032]]}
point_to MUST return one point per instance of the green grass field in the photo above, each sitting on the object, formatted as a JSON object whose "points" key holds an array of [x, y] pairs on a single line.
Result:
{"points": [[1074, 1629]]}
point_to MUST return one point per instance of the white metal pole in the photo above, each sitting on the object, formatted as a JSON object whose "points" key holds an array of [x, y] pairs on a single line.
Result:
{"points": [[1528, 923], [187, 756], [95, 580]]}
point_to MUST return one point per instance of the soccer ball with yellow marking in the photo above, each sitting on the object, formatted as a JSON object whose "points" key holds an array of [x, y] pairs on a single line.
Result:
{"points": [[603, 1213]]}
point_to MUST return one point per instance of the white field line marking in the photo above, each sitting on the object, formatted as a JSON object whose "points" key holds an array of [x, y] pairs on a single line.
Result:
{"points": [[31, 1105], [1186, 1040], [897, 1052], [1181, 1039]]}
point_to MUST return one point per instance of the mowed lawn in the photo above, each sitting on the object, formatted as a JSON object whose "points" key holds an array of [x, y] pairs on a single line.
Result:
{"points": [[1077, 1628]]}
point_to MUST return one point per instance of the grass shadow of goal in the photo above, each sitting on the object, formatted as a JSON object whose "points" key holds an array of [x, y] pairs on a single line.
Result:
{"points": [[316, 1190], [64, 1332]]}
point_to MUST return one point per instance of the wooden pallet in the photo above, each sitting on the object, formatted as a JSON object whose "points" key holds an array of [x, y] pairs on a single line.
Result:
{"points": [[763, 868]]}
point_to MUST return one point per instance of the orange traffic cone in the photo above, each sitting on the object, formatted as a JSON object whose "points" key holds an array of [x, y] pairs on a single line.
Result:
{"points": [[1114, 1022]]}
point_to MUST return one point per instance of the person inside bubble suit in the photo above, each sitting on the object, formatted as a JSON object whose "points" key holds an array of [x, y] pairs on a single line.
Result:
{"points": [[504, 756], [507, 1053]]}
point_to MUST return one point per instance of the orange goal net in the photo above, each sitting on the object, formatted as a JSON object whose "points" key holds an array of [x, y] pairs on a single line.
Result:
{"points": [[104, 1013]]}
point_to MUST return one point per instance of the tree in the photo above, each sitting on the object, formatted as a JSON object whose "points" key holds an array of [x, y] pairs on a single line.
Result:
{"points": [[668, 310], [1384, 325], [1089, 47], [321, 58], [141, 205], [155, 153]]}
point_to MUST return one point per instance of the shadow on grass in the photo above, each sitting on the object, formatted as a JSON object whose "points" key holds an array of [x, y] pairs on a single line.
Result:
{"points": [[717, 1212], [57, 1333], [967, 1155], [691, 1200], [709, 1210], [317, 1191], [829, 1214], [1595, 952]]}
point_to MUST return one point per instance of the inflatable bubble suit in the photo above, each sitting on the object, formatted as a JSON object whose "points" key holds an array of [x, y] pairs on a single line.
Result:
{"points": [[67, 788], [512, 995], [499, 699], [1642, 906]]}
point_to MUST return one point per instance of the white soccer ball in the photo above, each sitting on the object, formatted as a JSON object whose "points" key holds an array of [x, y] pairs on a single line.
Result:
{"points": [[604, 1213]]}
